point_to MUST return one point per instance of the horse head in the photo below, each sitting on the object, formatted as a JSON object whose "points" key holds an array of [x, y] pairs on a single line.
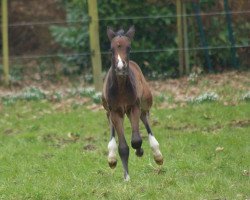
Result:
{"points": [[120, 49]]}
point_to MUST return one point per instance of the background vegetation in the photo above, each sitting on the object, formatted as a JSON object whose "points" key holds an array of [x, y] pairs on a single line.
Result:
{"points": [[53, 137], [52, 37], [160, 33]]}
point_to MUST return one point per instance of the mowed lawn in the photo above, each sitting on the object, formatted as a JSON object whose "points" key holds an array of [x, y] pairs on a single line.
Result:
{"points": [[52, 152]]}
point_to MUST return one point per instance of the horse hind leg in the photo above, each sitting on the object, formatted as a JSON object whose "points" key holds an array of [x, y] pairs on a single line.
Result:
{"points": [[154, 144]]}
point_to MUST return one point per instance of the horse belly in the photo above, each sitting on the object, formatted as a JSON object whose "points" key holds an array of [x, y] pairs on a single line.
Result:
{"points": [[147, 99]]}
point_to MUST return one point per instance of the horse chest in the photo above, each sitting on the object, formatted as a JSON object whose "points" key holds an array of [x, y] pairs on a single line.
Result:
{"points": [[122, 99]]}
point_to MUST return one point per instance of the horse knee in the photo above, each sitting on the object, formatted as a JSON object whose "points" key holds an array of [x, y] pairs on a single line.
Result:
{"points": [[136, 142], [123, 151]]}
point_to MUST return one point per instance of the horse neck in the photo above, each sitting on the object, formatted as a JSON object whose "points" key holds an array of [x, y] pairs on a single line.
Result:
{"points": [[123, 82]]}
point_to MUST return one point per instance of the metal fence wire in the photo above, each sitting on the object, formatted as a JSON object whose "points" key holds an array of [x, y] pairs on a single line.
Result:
{"points": [[21, 54], [70, 22]]}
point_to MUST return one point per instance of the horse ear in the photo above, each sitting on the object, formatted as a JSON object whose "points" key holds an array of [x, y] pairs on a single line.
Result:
{"points": [[131, 32], [110, 33]]}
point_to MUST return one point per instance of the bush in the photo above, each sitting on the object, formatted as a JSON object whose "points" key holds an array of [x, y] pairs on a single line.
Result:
{"points": [[205, 97], [151, 34], [246, 96], [29, 94], [74, 36]]}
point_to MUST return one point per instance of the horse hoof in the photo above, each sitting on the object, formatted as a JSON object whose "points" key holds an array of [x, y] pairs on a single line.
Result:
{"points": [[112, 163], [127, 178], [139, 152], [158, 159]]}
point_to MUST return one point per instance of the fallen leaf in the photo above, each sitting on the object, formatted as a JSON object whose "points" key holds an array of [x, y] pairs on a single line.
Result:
{"points": [[73, 136], [89, 147], [218, 149], [246, 173]]}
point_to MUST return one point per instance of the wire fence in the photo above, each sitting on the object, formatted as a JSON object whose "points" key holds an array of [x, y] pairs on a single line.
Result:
{"points": [[46, 24], [126, 18], [132, 52]]}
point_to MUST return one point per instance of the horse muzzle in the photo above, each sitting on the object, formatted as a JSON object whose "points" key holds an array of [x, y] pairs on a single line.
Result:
{"points": [[121, 72], [121, 68]]}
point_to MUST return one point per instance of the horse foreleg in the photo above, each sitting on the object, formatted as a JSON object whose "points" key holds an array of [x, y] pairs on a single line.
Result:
{"points": [[152, 140], [112, 147], [123, 148], [136, 140]]}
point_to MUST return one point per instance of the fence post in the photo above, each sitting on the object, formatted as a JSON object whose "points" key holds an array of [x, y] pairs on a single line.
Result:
{"points": [[5, 41], [196, 7], [94, 44], [185, 33], [180, 36], [230, 34]]}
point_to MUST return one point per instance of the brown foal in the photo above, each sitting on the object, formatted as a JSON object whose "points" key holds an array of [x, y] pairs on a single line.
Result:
{"points": [[126, 91]]}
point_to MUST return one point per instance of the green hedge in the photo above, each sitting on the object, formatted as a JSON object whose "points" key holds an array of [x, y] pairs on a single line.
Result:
{"points": [[151, 34]]}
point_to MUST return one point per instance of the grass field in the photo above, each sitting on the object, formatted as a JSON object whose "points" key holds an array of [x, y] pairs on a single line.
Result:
{"points": [[52, 151], [206, 149]]}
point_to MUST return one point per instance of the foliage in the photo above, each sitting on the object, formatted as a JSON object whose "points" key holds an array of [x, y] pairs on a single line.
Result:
{"points": [[205, 97], [147, 31], [246, 96], [29, 94], [74, 36], [35, 94], [151, 34], [97, 97], [193, 78], [216, 33]]}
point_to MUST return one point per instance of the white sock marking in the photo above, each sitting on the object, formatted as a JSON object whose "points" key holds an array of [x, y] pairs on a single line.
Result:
{"points": [[112, 147], [154, 145]]}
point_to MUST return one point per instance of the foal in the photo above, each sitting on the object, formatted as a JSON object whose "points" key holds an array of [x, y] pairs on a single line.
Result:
{"points": [[126, 91]]}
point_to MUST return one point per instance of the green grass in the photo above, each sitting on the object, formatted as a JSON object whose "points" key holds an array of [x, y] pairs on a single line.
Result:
{"points": [[38, 159]]}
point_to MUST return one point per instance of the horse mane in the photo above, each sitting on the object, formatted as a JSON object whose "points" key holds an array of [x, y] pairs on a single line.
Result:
{"points": [[121, 32]]}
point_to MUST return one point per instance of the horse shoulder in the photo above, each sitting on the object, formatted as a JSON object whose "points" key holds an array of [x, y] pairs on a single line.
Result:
{"points": [[104, 90], [145, 92], [135, 67]]}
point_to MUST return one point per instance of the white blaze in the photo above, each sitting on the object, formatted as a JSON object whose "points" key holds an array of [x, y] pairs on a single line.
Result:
{"points": [[120, 63]]}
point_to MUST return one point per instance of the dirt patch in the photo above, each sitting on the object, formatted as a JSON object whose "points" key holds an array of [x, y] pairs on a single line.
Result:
{"points": [[59, 141], [181, 88], [90, 139], [240, 123], [175, 92], [10, 132], [89, 147]]}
